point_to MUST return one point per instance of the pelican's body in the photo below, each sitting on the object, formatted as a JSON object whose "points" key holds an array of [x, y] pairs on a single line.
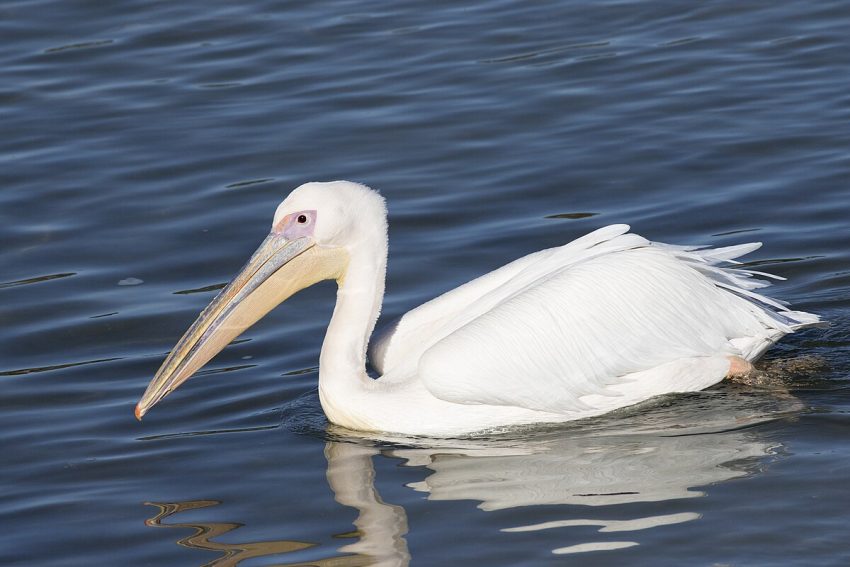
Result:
{"points": [[604, 322]]}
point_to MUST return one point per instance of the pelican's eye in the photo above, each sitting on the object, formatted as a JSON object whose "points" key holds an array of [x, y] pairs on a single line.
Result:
{"points": [[297, 225]]}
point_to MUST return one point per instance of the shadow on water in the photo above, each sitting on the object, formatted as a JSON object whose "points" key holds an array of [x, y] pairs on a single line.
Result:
{"points": [[578, 476]]}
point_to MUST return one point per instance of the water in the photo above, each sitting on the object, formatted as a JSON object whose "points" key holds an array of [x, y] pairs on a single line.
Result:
{"points": [[144, 147]]}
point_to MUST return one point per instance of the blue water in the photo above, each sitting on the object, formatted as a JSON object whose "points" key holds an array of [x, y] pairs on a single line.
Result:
{"points": [[144, 146]]}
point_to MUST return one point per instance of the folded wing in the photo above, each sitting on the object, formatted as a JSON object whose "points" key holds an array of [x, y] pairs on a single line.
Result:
{"points": [[556, 329]]}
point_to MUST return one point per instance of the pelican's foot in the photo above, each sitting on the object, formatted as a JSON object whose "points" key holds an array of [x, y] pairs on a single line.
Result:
{"points": [[742, 371], [778, 373], [738, 367]]}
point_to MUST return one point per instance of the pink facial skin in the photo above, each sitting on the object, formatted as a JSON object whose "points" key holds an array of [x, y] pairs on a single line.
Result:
{"points": [[296, 225]]}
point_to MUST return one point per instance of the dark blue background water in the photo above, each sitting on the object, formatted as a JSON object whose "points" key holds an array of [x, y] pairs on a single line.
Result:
{"points": [[144, 146]]}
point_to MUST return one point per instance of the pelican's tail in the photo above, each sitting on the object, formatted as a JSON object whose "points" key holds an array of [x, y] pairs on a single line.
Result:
{"points": [[721, 267]]}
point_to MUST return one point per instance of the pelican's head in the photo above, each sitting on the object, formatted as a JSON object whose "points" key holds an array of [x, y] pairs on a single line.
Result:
{"points": [[314, 231]]}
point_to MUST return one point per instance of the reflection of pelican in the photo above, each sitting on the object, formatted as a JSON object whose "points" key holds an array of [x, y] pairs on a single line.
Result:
{"points": [[381, 526], [233, 553], [584, 470], [379, 542], [603, 322], [586, 473], [609, 474]]}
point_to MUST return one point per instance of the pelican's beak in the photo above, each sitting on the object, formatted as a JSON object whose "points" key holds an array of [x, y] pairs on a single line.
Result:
{"points": [[279, 268]]}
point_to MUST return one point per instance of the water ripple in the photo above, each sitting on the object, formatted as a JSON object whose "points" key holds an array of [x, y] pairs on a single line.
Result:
{"points": [[36, 279], [23, 371]]}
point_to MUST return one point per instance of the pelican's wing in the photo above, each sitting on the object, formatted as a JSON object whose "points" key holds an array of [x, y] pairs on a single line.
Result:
{"points": [[406, 338], [404, 341], [573, 321]]}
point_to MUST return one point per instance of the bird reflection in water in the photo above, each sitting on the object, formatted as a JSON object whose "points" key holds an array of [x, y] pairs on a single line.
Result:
{"points": [[235, 553], [572, 473], [380, 527], [590, 473]]}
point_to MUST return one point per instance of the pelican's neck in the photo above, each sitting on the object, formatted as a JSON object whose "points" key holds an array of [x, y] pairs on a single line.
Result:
{"points": [[342, 363]]}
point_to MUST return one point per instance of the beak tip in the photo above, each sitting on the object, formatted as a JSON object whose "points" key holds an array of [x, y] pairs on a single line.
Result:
{"points": [[139, 413]]}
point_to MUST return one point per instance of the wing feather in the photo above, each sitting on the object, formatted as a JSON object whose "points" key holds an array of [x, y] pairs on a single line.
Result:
{"points": [[574, 322], [404, 341]]}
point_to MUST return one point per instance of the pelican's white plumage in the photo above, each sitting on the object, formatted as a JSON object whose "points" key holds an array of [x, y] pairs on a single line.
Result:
{"points": [[606, 321]]}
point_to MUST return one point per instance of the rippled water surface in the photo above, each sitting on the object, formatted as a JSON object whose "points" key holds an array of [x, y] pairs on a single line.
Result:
{"points": [[145, 145]]}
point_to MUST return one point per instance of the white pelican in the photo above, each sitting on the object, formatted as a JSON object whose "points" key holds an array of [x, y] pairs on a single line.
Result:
{"points": [[606, 321]]}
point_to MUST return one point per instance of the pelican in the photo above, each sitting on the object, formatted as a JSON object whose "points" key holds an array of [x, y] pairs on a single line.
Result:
{"points": [[604, 322]]}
